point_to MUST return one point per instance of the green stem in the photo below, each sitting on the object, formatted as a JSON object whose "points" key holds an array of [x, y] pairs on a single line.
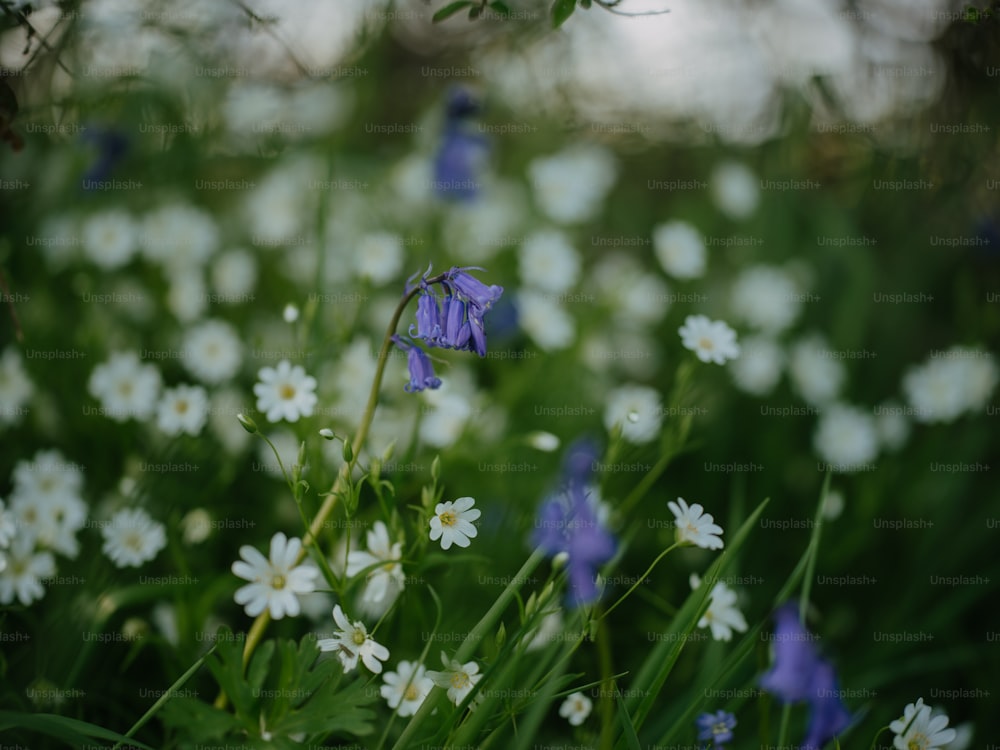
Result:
{"points": [[635, 585], [607, 686], [472, 640]]}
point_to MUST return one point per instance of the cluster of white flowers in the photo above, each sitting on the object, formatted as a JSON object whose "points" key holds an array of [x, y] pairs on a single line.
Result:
{"points": [[549, 262], [951, 383]]}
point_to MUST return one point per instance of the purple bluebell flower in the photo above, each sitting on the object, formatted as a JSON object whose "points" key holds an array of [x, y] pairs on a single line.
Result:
{"points": [[428, 319], [111, 145], [480, 297], [828, 715], [420, 366], [463, 152], [717, 727], [795, 657], [457, 328], [567, 523], [580, 461]]}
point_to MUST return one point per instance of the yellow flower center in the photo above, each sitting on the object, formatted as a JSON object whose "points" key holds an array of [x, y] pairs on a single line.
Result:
{"points": [[460, 680], [133, 540], [125, 388], [181, 406], [278, 582], [286, 391], [918, 742], [359, 638], [705, 343], [411, 693], [448, 518]]}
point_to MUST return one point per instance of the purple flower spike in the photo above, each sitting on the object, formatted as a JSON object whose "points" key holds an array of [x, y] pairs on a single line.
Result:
{"points": [[829, 716], [795, 657]]}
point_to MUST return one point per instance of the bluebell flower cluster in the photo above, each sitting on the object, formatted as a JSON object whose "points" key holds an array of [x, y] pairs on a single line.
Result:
{"points": [[717, 727], [801, 674], [453, 318], [567, 522], [462, 151]]}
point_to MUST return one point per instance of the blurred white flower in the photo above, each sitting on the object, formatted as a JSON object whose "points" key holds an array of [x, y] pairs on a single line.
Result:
{"points": [[833, 505], [758, 368], [126, 388], [442, 425], [187, 297], [379, 257], [950, 383], [253, 108], [26, 568], [109, 238], [635, 296], [570, 185], [225, 405], [710, 340], [285, 392], [8, 526], [723, 616], [196, 526], [735, 189], [815, 374], [132, 538], [234, 276], [576, 708], [544, 320], [680, 249], [212, 351], [50, 520], [477, 230], [846, 438], [547, 261], [278, 208], [15, 387], [182, 409], [459, 678], [386, 582], [766, 298], [892, 424], [637, 410], [406, 688], [179, 237]]}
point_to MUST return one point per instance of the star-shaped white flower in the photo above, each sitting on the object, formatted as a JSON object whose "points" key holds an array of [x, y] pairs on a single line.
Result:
{"points": [[353, 642], [694, 526], [576, 708], [406, 688], [285, 392], [710, 340], [722, 616], [459, 678], [275, 583], [917, 730], [452, 522], [132, 538], [386, 581]]}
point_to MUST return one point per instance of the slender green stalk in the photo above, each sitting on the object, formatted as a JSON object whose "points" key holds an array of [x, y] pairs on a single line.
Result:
{"points": [[642, 578], [607, 686]]}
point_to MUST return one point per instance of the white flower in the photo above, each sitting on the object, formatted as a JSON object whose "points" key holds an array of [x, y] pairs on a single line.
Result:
{"points": [[222, 421], [483, 227], [50, 521], [196, 526], [406, 688], [548, 261], [846, 437], [892, 425], [576, 708], [109, 238], [542, 318], [570, 185], [7, 526], [815, 374], [15, 387], [352, 642], [680, 249], [131, 538], [234, 276], [735, 189], [183, 409], [445, 419], [917, 730], [278, 207], [543, 441], [379, 257], [290, 313], [187, 297], [47, 476], [722, 615], [354, 372], [950, 383], [387, 580], [758, 368], [179, 237], [452, 522], [636, 297], [694, 526], [253, 108], [126, 388], [285, 392], [275, 582], [22, 577], [212, 351], [459, 678], [766, 298], [833, 505], [637, 411], [711, 340]]}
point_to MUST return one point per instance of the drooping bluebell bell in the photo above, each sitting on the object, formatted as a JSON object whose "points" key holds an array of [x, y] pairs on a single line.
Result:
{"points": [[421, 368], [717, 727], [801, 674], [480, 296], [568, 523], [580, 460], [462, 151]]}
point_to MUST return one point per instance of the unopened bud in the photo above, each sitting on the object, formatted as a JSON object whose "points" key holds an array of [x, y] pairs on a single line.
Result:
{"points": [[327, 433], [248, 424]]}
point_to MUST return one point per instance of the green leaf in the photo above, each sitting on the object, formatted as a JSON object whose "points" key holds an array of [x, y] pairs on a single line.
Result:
{"points": [[198, 719], [72, 731], [628, 731], [449, 10], [561, 11]]}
